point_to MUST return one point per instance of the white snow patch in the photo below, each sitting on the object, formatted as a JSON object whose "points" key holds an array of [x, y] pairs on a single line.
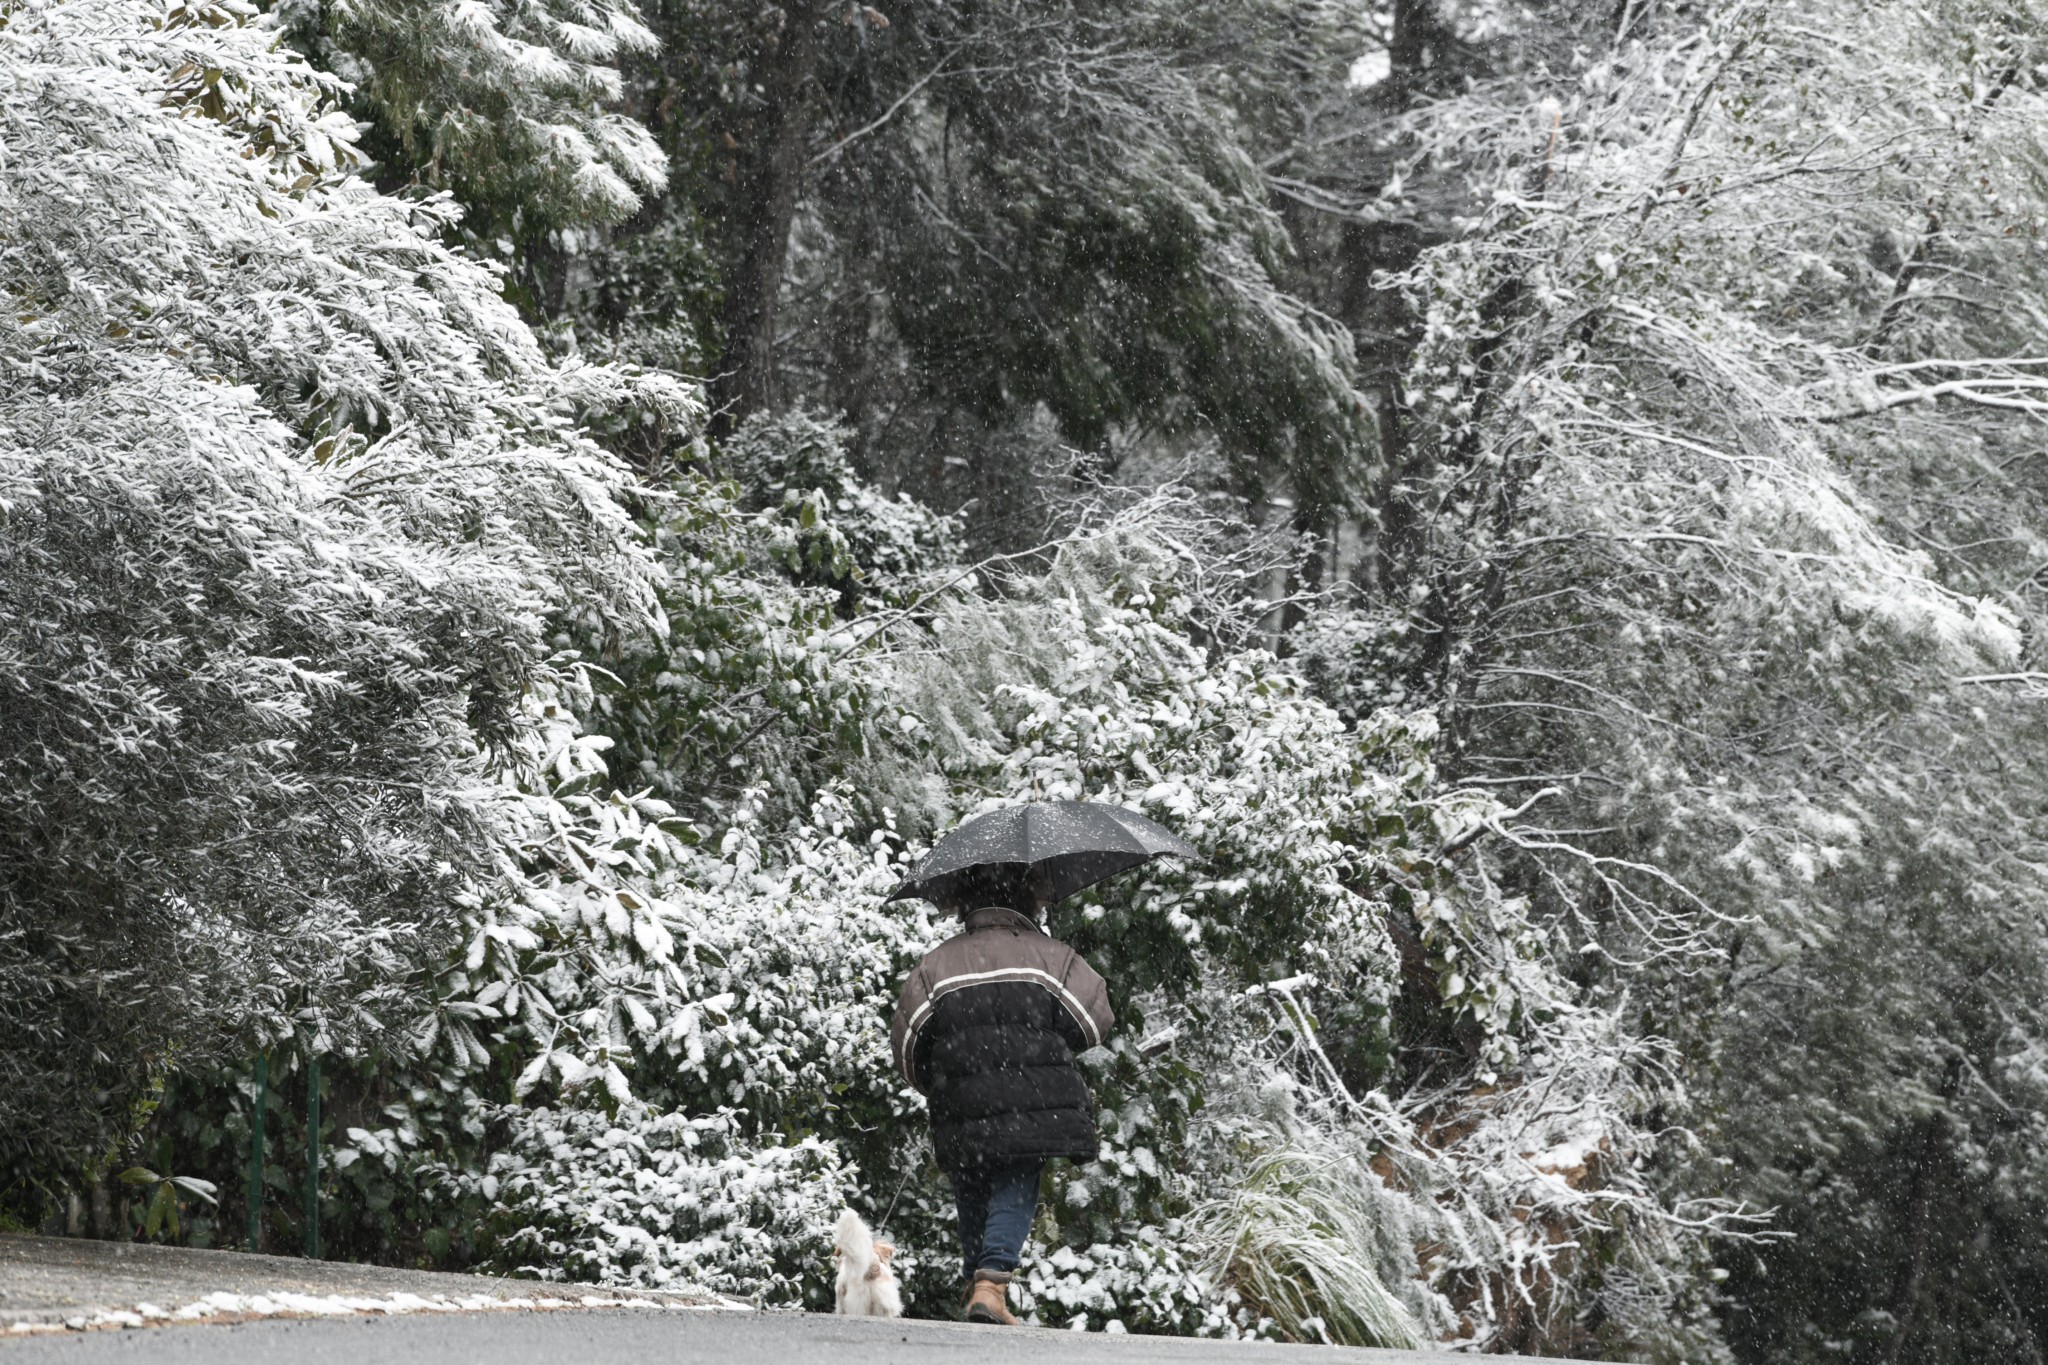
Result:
{"points": [[284, 1304], [1371, 69], [1568, 1155]]}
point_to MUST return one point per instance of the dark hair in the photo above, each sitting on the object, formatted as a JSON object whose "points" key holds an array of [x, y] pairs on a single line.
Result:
{"points": [[1002, 884]]}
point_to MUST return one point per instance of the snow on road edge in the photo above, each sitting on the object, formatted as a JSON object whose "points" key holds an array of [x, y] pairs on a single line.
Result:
{"points": [[226, 1307]]}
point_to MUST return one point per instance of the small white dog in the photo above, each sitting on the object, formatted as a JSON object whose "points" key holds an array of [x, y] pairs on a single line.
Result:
{"points": [[867, 1287]]}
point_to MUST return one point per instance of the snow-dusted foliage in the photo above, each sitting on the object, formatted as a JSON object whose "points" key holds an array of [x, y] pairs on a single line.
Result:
{"points": [[690, 1007], [1597, 661], [512, 103], [289, 504], [662, 1198], [1726, 413], [833, 528]]}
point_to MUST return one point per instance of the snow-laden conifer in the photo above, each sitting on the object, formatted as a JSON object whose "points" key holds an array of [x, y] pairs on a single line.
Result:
{"points": [[514, 104]]}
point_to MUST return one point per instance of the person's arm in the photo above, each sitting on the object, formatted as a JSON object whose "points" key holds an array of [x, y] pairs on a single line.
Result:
{"points": [[1086, 988], [902, 1038]]}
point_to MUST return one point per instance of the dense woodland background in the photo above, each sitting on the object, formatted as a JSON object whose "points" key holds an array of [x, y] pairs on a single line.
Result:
{"points": [[519, 519]]}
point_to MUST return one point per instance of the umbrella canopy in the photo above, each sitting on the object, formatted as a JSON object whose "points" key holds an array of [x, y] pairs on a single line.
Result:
{"points": [[1061, 846]]}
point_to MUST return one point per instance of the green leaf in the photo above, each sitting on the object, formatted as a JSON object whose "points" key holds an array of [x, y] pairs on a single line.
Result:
{"points": [[139, 1175], [163, 1212]]}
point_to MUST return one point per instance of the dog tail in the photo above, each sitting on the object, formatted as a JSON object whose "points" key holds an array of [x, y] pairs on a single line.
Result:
{"points": [[855, 1242]]}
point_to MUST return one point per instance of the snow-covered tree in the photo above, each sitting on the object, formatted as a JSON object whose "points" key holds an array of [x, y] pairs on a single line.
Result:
{"points": [[512, 104], [1717, 538], [966, 228], [291, 511]]}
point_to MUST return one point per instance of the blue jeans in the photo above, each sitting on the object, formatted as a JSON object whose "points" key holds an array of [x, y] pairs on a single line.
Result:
{"points": [[997, 1203]]}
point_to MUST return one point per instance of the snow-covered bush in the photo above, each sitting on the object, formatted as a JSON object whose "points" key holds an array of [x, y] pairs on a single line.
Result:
{"points": [[745, 695], [662, 1199], [662, 978], [1296, 1243], [680, 1005], [291, 505], [828, 526]]}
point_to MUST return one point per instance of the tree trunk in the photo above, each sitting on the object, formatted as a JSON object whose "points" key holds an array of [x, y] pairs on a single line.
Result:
{"points": [[102, 1207], [1906, 1286], [1275, 512], [771, 169], [850, 324], [1419, 43], [2024, 1329]]}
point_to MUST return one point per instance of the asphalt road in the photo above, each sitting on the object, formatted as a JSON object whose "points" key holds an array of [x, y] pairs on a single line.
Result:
{"points": [[633, 1336], [51, 1279]]}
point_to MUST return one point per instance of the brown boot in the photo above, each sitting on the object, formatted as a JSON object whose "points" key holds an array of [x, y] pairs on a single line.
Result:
{"points": [[987, 1299]]}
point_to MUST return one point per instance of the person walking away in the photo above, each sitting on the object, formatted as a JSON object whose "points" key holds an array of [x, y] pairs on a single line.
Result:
{"points": [[987, 1029]]}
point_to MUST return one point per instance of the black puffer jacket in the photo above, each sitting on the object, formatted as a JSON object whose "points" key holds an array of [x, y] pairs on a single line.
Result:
{"points": [[987, 1028]]}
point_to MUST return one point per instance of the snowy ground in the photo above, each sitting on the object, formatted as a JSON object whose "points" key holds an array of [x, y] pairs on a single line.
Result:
{"points": [[51, 1284]]}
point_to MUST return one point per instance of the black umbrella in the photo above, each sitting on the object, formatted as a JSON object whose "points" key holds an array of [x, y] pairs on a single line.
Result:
{"points": [[1057, 846]]}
